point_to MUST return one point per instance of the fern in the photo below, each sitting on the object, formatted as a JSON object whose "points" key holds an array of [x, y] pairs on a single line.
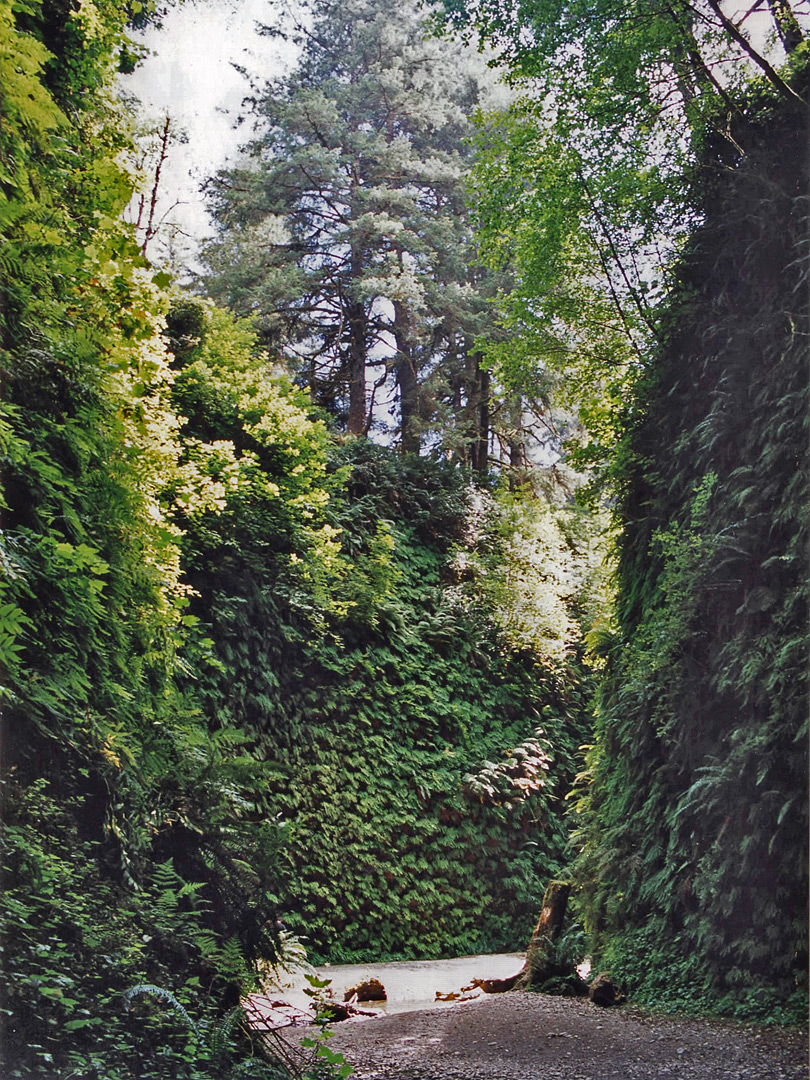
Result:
{"points": [[164, 995]]}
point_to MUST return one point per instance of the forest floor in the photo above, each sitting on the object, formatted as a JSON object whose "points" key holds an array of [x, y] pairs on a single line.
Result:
{"points": [[525, 1036]]}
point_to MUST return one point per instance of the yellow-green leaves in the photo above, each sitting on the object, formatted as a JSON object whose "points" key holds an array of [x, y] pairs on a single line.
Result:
{"points": [[24, 101]]}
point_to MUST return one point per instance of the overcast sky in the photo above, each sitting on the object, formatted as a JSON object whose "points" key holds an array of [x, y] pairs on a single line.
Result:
{"points": [[190, 75]]}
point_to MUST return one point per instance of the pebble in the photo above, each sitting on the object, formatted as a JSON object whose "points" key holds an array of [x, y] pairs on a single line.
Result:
{"points": [[522, 1036]]}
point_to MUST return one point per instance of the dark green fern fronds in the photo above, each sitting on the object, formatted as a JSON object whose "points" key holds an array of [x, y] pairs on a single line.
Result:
{"points": [[219, 1041]]}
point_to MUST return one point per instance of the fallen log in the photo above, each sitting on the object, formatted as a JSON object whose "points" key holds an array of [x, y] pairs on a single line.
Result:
{"points": [[497, 986]]}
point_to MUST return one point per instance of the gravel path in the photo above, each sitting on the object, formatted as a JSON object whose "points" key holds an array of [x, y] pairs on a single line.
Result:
{"points": [[522, 1036]]}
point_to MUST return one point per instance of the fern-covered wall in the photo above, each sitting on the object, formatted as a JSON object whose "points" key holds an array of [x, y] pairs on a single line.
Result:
{"points": [[695, 858], [422, 807], [104, 760]]}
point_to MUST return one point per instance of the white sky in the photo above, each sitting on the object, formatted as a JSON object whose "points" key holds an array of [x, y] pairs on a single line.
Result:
{"points": [[189, 74]]}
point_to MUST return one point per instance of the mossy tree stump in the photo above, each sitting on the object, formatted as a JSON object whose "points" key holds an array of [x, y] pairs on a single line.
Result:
{"points": [[541, 962]]}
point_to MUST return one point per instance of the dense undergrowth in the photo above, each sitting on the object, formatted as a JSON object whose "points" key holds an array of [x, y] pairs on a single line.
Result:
{"points": [[376, 720], [102, 755], [243, 675]]}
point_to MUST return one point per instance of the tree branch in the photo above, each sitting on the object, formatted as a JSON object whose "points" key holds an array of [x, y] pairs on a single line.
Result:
{"points": [[737, 36]]}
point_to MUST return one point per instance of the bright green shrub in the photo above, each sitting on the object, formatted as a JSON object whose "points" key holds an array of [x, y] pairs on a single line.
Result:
{"points": [[126, 856]]}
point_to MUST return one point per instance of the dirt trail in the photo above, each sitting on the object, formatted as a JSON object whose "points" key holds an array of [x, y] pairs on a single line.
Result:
{"points": [[522, 1036]]}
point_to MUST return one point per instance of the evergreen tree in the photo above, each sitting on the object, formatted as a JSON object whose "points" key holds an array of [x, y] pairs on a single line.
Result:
{"points": [[347, 235]]}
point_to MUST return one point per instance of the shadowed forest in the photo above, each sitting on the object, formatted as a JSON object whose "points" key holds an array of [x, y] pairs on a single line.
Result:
{"points": [[444, 533]]}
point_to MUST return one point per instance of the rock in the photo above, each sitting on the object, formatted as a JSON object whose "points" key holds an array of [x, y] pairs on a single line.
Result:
{"points": [[334, 1012], [604, 992], [369, 990]]}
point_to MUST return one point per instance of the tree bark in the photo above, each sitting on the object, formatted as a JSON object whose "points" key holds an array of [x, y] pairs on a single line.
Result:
{"points": [[539, 964], [539, 957], [406, 379], [356, 423], [479, 449], [787, 27], [518, 459], [736, 36]]}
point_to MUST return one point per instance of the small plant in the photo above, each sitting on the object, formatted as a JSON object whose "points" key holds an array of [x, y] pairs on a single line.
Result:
{"points": [[280, 1057], [164, 995], [213, 1039], [324, 1064], [570, 947], [564, 956]]}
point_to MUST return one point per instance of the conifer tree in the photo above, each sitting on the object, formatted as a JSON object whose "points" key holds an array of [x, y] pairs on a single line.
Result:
{"points": [[346, 234]]}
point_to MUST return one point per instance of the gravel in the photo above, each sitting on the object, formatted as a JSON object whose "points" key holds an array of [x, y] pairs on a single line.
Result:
{"points": [[525, 1036]]}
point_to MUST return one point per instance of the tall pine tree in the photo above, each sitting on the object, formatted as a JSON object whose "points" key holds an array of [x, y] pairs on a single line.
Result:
{"points": [[346, 235]]}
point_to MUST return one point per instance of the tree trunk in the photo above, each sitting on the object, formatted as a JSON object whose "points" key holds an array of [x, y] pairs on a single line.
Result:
{"points": [[356, 423], [540, 955], [518, 459], [483, 424], [740, 39], [458, 384], [479, 449], [406, 379], [787, 27]]}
